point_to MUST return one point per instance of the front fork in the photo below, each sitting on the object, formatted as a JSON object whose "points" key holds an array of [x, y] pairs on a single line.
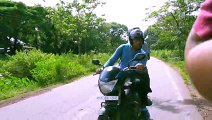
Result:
{"points": [[133, 102], [108, 108]]}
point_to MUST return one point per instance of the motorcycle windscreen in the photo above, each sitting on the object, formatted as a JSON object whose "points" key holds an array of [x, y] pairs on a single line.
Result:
{"points": [[109, 74], [107, 87], [107, 79]]}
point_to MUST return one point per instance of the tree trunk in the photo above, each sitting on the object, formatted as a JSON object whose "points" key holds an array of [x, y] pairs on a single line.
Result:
{"points": [[79, 48]]}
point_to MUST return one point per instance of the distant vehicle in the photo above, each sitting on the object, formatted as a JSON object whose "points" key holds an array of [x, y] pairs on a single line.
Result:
{"points": [[20, 45], [4, 50]]}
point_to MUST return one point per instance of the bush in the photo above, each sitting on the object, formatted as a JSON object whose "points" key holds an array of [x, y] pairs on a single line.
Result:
{"points": [[167, 55], [21, 64], [14, 82], [9, 86], [64, 67], [31, 70], [56, 69], [48, 68]]}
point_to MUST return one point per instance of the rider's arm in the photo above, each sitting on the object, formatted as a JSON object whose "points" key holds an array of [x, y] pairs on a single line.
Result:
{"points": [[146, 48], [140, 65], [144, 61], [116, 55]]}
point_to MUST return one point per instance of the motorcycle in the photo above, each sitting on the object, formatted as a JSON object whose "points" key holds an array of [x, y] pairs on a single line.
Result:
{"points": [[120, 89]]}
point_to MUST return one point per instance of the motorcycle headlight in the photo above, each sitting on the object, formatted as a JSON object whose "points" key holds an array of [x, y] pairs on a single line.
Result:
{"points": [[107, 87]]}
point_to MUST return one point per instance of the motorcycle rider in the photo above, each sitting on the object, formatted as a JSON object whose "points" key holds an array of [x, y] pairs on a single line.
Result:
{"points": [[146, 49], [125, 53], [145, 46]]}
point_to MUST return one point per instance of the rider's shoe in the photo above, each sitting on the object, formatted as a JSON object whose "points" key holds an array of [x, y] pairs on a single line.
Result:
{"points": [[147, 102]]}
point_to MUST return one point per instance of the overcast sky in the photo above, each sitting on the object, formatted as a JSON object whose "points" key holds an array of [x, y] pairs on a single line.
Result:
{"points": [[127, 12]]}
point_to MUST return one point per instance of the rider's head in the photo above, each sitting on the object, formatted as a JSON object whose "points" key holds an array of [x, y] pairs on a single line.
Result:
{"points": [[136, 38]]}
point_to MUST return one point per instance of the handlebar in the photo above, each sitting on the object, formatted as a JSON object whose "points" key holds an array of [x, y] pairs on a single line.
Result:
{"points": [[100, 70], [133, 68], [129, 68], [95, 74]]}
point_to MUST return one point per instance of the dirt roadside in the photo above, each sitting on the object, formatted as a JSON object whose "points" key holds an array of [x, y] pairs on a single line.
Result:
{"points": [[203, 105]]}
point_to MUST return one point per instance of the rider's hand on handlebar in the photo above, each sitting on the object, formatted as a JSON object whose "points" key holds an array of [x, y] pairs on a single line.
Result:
{"points": [[139, 66], [98, 71]]}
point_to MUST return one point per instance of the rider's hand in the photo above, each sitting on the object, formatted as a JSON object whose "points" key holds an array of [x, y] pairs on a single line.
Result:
{"points": [[98, 71], [139, 66]]}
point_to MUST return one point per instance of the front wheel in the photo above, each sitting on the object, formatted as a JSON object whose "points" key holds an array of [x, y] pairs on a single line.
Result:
{"points": [[133, 104], [103, 117], [145, 114]]}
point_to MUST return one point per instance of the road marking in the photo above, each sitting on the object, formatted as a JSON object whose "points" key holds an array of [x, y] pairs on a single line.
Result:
{"points": [[179, 96]]}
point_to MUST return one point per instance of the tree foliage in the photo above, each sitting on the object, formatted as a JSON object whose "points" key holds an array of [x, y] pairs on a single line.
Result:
{"points": [[174, 22], [68, 27], [12, 15]]}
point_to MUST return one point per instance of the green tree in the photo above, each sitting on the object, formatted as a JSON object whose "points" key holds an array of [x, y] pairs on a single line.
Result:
{"points": [[38, 31], [67, 27], [174, 21], [116, 34], [12, 17], [74, 20], [28, 24]]}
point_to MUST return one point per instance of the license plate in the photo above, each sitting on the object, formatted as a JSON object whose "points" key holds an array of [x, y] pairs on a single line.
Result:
{"points": [[108, 97]]}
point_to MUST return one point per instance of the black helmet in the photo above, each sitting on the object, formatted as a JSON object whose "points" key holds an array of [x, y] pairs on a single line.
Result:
{"points": [[135, 33]]}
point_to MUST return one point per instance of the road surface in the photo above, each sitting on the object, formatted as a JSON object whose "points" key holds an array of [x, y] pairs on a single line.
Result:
{"points": [[78, 100]]}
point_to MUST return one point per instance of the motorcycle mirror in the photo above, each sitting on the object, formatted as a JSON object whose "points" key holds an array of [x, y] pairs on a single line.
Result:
{"points": [[96, 62]]}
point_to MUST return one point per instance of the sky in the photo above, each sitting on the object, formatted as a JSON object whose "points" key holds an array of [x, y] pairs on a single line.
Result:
{"points": [[127, 12]]}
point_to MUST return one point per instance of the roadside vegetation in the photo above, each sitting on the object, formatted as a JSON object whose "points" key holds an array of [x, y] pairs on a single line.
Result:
{"points": [[33, 70]]}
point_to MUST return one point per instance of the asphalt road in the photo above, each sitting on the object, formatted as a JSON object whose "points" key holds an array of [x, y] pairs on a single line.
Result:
{"points": [[78, 100]]}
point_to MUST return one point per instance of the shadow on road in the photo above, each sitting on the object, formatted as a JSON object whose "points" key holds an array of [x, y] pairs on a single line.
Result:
{"points": [[174, 106]]}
